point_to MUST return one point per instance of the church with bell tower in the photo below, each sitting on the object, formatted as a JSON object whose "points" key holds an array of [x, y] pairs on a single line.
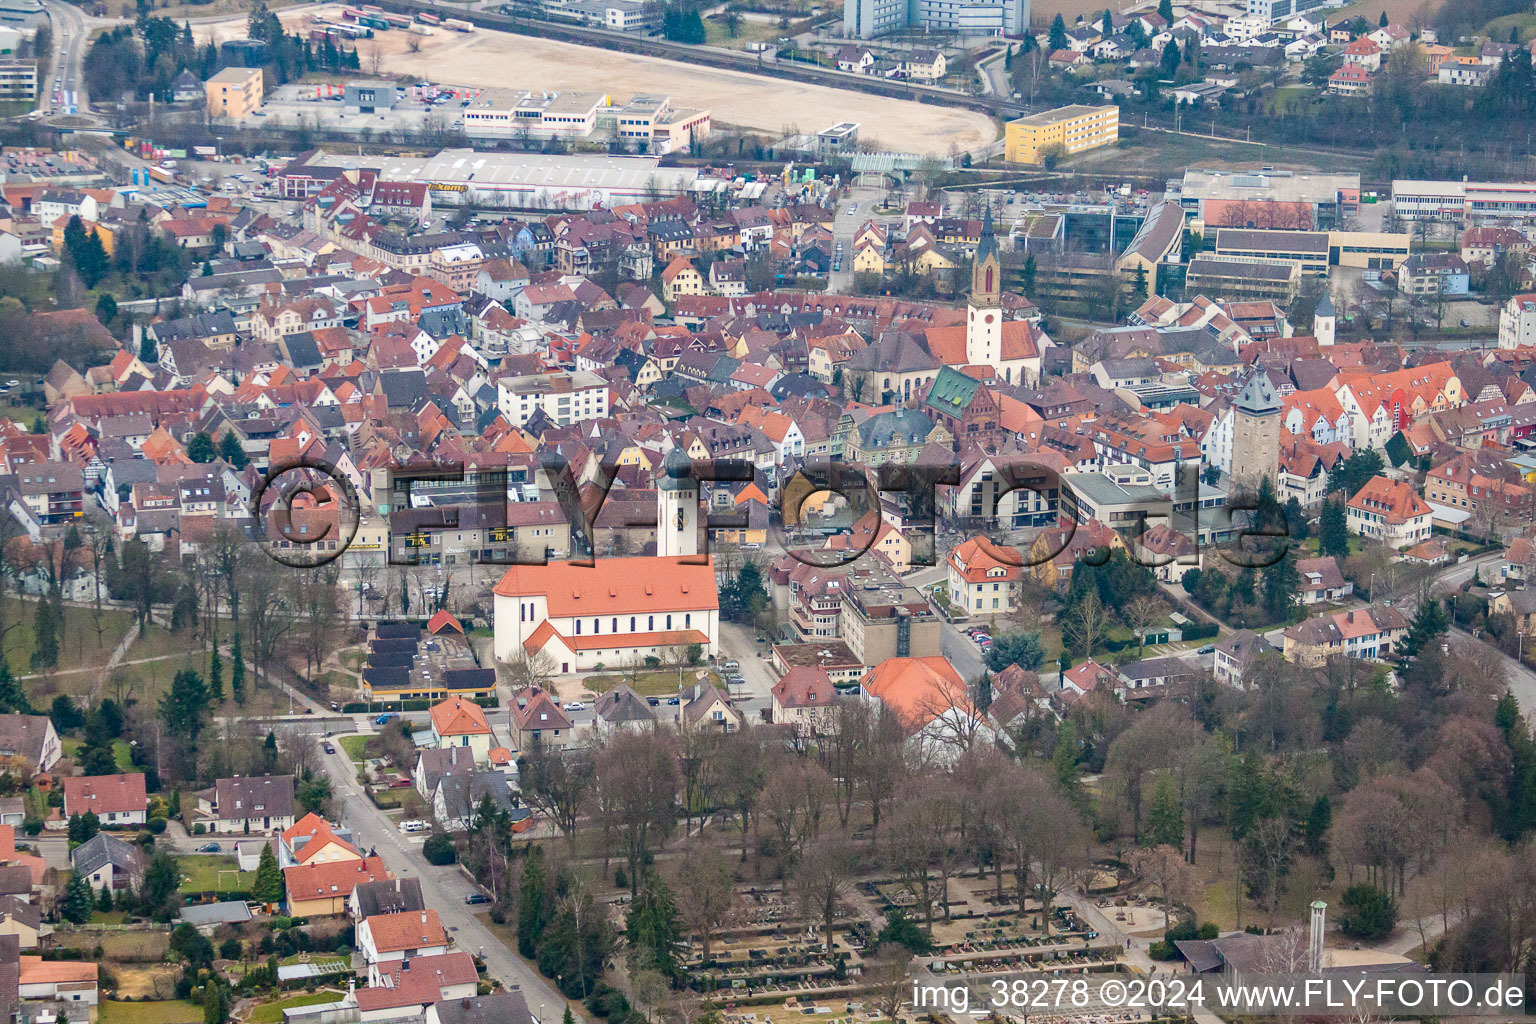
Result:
{"points": [[984, 309]]}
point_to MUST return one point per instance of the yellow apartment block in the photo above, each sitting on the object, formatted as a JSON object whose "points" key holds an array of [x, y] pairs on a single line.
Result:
{"points": [[1075, 129], [234, 92]]}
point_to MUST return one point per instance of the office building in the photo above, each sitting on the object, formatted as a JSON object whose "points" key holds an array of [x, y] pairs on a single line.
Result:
{"points": [[18, 79]]}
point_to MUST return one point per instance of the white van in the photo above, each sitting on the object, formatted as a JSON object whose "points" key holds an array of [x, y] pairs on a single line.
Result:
{"points": [[414, 826]]}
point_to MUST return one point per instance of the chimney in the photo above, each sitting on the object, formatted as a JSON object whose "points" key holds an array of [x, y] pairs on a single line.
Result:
{"points": [[1315, 939], [397, 885], [423, 917]]}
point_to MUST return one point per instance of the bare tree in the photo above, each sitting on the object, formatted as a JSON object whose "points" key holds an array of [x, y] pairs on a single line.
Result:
{"points": [[921, 845], [706, 892], [1165, 869], [793, 802], [1087, 624], [821, 878], [557, 784], [638, 772], [745, 764]]}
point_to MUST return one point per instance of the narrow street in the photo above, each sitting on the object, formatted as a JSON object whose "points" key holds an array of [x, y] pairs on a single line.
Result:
{"points": [[443, 888]]}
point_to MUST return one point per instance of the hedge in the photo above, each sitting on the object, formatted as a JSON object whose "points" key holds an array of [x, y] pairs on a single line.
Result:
{"points": [[1200, 630], [396, 707]]}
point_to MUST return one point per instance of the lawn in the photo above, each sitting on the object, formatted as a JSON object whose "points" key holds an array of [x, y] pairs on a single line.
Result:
{"points": [[168, 1012], [80, 644], [354, 745], [659, 683], [272, 1013], [210, 874]]}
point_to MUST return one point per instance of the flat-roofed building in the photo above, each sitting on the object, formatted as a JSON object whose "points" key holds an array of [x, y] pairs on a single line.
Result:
{"points": [[1316, 251], [1235, 279], [1267, 198], [234, 93], [566, 397], [1470, 202], [18, 79], [1074, 128]]}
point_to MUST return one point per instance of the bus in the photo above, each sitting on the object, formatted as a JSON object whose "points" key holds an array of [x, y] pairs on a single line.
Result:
{"points": [[373, 21], [396, 20], [429, 19]]}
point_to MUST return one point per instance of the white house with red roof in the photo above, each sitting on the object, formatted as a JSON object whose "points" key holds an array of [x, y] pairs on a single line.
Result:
{"points": [[116, 800], [458, 722], [312, 840], [982, 576], [1390, 511]]}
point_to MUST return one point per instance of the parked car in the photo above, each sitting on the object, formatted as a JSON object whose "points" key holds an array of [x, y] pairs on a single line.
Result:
{"points": [[654, 702], [330, 748], [382, 719], [210, 848], [414, 825], [1207, 649], [476, 898], [575, 705]]}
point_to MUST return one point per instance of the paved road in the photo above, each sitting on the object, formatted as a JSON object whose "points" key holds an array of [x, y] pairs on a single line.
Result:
{"points": [[70, 28], [444, 889]]}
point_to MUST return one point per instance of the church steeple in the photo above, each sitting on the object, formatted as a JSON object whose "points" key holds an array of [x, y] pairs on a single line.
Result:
{"points": [[987, 270], [984, 310]]}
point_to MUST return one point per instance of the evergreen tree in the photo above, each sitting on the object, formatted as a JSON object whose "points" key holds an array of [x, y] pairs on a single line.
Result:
{"points": [[147, 351], [1333, 530], [45, 637], [215, 1002], [1319, 820], [200, 448], [184, 710], [1296, 522], [231, 451], [1165, 11], [1058, 33], [104, 900], [652, 927], [78, 903], [1107, 24], [269, 880], [1282, 582], [1064, 756], [13, 699], [106, 309], [1030, 271], [1382, 21], [1242, 587], [237, 672], [1429, 624], [216, 678], [1170, 59], [1164, 824], [532, 909]]}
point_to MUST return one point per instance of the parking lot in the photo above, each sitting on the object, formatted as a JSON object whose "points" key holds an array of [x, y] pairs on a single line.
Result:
{"points": [[415, 108]]}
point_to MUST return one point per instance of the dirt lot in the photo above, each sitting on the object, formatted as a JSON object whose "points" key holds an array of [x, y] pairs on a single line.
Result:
{"points": [[767, 104]]}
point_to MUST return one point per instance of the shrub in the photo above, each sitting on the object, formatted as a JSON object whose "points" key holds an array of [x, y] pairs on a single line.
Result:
{"points": [[198, 829], [157, 825], [1162, 950], [439, 849], [1369, 913], [32, 826]]}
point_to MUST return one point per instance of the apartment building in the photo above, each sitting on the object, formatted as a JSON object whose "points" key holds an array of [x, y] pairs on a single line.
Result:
{"points": [[234, 93], [18, 79], [1074, 128], [564, 397], [1389, 511]]}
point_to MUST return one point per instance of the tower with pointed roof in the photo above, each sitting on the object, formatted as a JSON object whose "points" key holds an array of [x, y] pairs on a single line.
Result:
{"points": [[677, 507], [1256, 432], [1324, 320], [984, 310]]}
